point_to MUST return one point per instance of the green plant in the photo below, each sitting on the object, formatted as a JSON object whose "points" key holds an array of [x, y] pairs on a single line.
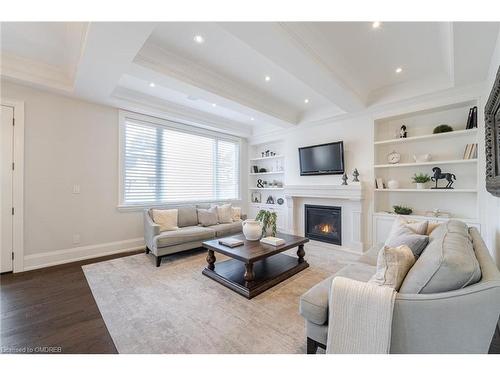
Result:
{"points": [[402, 210], [443, 128], [268, 220], [420, 178]]}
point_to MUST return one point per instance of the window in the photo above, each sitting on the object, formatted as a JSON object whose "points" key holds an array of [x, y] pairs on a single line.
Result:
{"points": [[163, 164]]}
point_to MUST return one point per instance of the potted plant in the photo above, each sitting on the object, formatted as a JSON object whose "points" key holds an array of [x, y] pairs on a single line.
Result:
{"points": [[402, 210], [421, 179], [268, 220]]}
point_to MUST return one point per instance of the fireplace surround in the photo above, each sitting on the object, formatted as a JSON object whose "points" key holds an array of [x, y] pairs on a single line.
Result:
{"points": [[323, 223]]}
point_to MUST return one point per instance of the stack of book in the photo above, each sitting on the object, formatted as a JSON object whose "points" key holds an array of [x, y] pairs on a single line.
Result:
{"points": [[274, 241], [231, 242], [470, 151], [472, 119]]}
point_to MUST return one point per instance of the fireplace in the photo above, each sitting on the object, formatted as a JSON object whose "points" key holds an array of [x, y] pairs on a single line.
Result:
{"points": [[323, 223]]}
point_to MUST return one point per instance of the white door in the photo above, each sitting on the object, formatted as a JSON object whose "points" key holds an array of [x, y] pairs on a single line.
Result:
{"points": [[6, 160]]}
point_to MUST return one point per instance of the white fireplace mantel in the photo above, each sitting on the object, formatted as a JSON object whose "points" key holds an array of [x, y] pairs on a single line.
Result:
{"points": [[348, 197], [353, 192]]}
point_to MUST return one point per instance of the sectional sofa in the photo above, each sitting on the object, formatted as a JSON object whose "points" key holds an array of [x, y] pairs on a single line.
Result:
{"points": [[190, 234]]}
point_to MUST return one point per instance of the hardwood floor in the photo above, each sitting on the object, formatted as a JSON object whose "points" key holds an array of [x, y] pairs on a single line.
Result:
{"points": [[53, 310]]}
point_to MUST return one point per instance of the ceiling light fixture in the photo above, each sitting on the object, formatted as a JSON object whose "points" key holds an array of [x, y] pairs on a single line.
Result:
{"points": [[198, 39], [306, 100], [399, 70], [267, 78], [251, 119], [214, 105], [376, 24], [152, 84]]}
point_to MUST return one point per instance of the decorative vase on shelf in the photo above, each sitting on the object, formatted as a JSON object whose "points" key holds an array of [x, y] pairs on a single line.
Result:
{"points": [[393, 184], [252, 229]]}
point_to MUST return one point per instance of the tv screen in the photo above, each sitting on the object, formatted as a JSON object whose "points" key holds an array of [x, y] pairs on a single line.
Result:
{"points": [[322, 159]]}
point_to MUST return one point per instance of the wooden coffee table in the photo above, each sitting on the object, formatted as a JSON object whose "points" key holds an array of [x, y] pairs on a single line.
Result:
{"points": [[255, 267]]}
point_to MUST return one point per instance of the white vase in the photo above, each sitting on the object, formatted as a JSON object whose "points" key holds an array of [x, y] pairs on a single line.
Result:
{"points": [[252, 229], [393, 184], [421, 185]]}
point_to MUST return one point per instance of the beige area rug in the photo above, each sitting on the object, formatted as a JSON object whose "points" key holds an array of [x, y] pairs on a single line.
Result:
{"points": [[175, 309]]}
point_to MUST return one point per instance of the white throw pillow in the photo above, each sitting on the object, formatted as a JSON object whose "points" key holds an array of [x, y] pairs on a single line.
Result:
{"points": [[236, 213], [166, 219], [224, 213], [207, 217], [393, 263]]}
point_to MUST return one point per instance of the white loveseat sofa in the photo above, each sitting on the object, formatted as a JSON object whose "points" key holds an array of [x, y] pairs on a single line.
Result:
{"points": [[428, 317]]}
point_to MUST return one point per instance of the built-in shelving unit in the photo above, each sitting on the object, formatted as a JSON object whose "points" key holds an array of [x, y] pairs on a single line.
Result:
{"points": [[447, 151], [274, 174]]}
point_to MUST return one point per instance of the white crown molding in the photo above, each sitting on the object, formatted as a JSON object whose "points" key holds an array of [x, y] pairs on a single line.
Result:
{"points": [[158, 59], [35, 73], [418, 103], [149, 105]]}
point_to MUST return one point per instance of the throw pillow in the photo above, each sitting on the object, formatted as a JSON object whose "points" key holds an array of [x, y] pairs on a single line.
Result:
{"points": [[431, 227], [236, 213], [224, 213], [166, 219], [207, 217], [393, 263], [408, 233]]}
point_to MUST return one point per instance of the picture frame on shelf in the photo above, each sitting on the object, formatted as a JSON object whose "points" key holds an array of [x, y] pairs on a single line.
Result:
{"points": [[256, 197], [379, 183]]}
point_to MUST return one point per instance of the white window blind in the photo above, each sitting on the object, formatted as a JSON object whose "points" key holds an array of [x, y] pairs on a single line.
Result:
{"points": [[164, 165]]}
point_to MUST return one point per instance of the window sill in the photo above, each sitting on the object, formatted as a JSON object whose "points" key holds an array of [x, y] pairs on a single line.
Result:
{"points": [[142, 207]]}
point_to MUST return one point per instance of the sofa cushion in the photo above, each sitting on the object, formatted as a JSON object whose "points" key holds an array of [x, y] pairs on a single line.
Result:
{"points": [[184, 235], [166, 219], [224, 214], [370, 256], [448, 263], [227, 229], [393, 263], [187, 216], [207, 217], [405, 235], [314, 303], [236, 213]]}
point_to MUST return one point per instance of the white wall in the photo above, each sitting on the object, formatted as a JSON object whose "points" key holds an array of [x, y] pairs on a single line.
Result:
{"points": [[70, 141]]}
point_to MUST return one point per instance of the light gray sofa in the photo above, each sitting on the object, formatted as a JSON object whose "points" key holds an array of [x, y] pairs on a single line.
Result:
{"points": [[189, 236], [455, 321]]}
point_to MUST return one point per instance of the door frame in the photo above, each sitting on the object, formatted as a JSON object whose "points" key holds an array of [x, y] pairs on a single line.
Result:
{"points": [[18, 183]]}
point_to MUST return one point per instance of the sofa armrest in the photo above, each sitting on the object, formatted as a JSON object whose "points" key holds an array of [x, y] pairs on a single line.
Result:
{"points": [[151, 229]]}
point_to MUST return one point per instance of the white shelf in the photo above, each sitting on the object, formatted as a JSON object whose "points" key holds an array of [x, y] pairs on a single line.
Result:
{"points": [[263, 173], [427, 217], [435, 162], [252, 188], [427, 190], [428, 137], [267, 158], [277, 206]]}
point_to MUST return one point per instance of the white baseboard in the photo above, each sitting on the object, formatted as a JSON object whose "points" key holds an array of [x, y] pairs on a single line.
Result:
{"points": [[53, 258]]}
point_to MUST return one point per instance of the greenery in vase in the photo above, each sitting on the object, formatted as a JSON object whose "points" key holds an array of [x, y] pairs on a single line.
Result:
{"points": [[268, 220], [443, 128], [421, 178], [402, 210]]}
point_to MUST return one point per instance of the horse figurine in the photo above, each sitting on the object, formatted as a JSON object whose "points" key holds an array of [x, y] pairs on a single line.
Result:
{"points": [[441, 176]]}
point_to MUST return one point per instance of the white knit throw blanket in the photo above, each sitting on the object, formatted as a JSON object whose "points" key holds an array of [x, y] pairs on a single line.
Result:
{"points": [[360, 317]]}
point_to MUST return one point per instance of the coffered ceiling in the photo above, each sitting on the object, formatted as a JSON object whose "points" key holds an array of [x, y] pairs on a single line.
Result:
{"points": [[247, 78]]}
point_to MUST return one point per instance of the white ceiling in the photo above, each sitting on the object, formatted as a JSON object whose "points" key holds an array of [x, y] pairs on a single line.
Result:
{"points": [[340, 67]]}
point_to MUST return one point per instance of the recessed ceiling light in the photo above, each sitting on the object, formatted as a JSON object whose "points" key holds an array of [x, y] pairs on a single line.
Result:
{"points": [[198, 39], [152, 84], [306, 100], [376, 24], [267, 78], [399, 70], [214, 104], [251, 119]]}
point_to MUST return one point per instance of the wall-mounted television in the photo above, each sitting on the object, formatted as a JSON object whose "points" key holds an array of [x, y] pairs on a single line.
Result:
{"points": [[322, 159]]}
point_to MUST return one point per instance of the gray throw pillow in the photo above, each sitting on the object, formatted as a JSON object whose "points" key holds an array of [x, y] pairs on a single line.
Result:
{"points": [[207, 217], [405, 236]]}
